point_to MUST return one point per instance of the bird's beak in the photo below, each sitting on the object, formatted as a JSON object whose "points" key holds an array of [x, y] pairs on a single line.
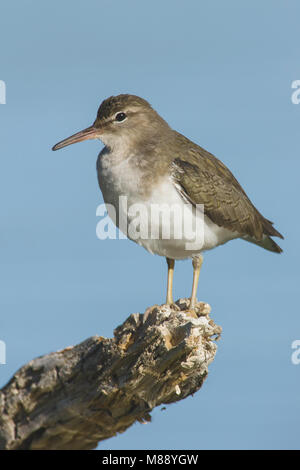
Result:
{"points": [[88, 133]]}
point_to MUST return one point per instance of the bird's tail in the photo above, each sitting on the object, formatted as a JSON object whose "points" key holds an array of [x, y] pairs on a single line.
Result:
{"points": [[267, 242]]}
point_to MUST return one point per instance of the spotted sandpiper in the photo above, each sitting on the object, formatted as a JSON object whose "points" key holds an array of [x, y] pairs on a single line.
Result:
{"points": [[150, 163]]}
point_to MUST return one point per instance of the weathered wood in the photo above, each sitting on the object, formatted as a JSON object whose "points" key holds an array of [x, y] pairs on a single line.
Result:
{"points": [[74, 398]]}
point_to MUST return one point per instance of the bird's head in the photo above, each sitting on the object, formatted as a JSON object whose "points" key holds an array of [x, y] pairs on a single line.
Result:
{"points": [[121, 120]]}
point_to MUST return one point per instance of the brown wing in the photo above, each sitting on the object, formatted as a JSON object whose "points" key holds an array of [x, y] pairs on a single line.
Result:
{"points": [[204, 179]]}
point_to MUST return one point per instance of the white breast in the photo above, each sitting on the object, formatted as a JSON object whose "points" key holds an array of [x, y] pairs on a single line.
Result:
{"points": [[119, 177]]}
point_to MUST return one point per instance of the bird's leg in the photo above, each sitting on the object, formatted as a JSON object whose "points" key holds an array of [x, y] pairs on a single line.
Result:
{"points": [[197, 263], [171, 264]]}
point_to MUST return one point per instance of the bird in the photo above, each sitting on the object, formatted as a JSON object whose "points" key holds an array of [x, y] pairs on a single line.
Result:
{"points": [[147, 162]]}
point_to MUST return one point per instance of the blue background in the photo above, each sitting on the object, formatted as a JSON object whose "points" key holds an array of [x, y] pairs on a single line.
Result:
{"points": [[220, 73]]}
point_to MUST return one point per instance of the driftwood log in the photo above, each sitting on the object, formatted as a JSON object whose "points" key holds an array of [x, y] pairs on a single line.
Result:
{"points": [[74, 398]]}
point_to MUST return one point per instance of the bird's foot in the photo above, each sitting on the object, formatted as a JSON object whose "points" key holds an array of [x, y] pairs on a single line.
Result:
{"points": [[173, 306], [198, 310]]}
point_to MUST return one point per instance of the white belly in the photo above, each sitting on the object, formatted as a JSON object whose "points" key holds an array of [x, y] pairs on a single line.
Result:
{"points": [[180, 231], [161, 222]]}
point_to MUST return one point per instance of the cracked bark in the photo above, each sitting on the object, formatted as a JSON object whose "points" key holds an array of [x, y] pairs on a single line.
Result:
{"points": [[74, 398]]}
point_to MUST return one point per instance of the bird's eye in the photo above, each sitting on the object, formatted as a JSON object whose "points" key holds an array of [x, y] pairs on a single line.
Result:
{"points": [[120, 117]]}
